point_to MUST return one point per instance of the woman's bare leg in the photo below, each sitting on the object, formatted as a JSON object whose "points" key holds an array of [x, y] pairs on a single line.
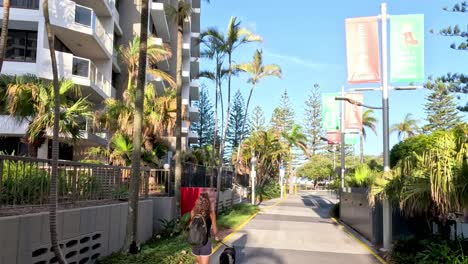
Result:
{"points": [[203, 259]]}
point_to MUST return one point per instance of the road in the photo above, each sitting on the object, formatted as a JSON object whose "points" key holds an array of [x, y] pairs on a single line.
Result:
{"points": [[297, 230]]}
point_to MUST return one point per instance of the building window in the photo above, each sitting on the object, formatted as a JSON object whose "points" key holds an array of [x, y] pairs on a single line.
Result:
{"points": [[26, 4], [80, 67], [83, 15], [21, 45]]}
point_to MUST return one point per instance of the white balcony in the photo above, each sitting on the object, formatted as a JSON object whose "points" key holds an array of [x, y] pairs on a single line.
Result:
{"points": [[194, 91], [194, 67], [192, 137], [194, 115], [162, 65], [12, 127], [159, 18], [185, 127], [195, 44], [195, 25], [186, 49], [158, 83], [185, 77], [80, 29], [81, 71]]}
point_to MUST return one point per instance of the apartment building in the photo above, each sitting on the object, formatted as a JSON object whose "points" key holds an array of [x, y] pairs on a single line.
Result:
{"points": [[88, 34], [163, 29]]}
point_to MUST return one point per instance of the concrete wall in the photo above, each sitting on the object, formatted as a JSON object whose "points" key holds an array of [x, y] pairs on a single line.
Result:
{"points": [[356, 212], [163, 208], [85, 234]]}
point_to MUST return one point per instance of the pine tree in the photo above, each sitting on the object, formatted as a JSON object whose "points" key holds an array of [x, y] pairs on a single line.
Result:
{"points": [[441, 110], [313, 119], [257, 120], [457, 83], [205, 125], [234, 132], [282, 119]]}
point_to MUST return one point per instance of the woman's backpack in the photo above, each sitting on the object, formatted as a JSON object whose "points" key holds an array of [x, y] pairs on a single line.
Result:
{"points": [[198, 233]]}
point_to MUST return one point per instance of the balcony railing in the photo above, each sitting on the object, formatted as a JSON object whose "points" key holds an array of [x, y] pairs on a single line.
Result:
{"points": [[83, 67], [25, 4], [85, 16]]}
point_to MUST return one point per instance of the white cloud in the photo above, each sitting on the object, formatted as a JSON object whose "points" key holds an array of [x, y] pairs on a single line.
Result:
{"points": [[297, 60]]}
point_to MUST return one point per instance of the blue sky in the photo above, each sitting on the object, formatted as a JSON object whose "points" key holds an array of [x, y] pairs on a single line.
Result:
{"points": [[307, 39]]}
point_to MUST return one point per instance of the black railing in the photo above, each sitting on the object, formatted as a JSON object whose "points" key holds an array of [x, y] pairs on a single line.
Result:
{"points": [[26, 4]]}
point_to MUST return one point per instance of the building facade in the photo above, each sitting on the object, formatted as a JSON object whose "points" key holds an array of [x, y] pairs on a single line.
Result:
{"points": [[88, 34]]}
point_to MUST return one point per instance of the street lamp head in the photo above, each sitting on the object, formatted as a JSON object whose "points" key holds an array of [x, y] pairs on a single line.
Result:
{"points": [[166, 166]]}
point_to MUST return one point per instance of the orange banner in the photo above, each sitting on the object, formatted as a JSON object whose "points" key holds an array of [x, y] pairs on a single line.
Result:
{"points": [[362, 50], [353, 113]]}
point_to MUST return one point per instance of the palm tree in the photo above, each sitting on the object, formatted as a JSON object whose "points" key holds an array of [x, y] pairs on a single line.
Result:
{"points": [[257, 72], [55, 144], [179, 14], [155, 53], [132, 219], [32, 99], [236, 37], [295, 138], [407, 128], [4, 35], [368, 121]]}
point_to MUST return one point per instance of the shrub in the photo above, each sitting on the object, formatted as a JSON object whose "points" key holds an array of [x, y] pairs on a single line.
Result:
{"points": [[434, 250], [363, 176], [269, 191]]}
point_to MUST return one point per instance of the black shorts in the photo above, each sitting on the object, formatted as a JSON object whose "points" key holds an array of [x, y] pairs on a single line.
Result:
{"points": [[205, 250]]}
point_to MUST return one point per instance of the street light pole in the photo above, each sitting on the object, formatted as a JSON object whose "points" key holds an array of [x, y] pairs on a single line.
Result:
{"points": [[253, 161], [343, 153], [387, 210]]}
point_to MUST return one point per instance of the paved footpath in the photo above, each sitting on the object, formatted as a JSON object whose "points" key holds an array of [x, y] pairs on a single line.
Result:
{"points": [[297, 230]]}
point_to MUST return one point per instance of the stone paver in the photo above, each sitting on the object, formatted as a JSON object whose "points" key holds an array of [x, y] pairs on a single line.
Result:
{"points": [[298, 230]]}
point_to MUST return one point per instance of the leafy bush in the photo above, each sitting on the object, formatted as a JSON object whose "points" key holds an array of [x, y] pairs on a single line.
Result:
{"points": [[363, 176], [175, 226], [269, 191], [431, 251]]}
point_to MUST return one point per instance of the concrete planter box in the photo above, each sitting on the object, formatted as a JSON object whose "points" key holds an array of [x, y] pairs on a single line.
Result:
{"points": [[85, 234]]}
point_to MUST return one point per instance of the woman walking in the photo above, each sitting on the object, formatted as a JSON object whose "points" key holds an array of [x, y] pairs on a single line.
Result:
{"points": [[204, 210]]}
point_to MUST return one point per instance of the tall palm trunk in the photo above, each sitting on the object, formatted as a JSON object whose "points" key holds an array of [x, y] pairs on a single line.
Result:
{"points": [[223, 138], [53, 199], [178, 132], [213, 162], [243, 123], [3, 37], [361, 135], [132, 218]]}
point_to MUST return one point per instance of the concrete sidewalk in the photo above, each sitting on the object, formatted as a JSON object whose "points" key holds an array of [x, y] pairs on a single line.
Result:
{"points": [[298, 230]]}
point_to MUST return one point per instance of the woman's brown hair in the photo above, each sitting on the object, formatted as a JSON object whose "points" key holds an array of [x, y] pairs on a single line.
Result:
{"points": [[203, 205]]}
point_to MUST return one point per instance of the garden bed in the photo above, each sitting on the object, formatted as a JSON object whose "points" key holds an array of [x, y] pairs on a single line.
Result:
{"points": [[176, 250]]}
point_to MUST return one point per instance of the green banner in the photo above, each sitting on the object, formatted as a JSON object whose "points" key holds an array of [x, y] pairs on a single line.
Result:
{"points": [[407, 48], [330, 112], [351, 138]]}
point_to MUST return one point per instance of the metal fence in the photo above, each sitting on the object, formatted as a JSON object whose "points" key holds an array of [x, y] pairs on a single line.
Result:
{"points": [[194, 175], [25, 182]]}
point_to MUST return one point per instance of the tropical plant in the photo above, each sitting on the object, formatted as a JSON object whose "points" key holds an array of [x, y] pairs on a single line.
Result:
{"points": [[318, 167], [33, 100], [432, 182], [55, 136], [155, 53], [407, 128], [180, 13], [212, 39], [269, 149], [4, 34], [235, 37], [257, 71], [363, 177], [370, 122]]}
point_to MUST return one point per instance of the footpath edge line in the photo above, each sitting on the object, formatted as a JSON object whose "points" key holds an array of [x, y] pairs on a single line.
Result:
{"points": [[239, 227], [344, 228]]}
